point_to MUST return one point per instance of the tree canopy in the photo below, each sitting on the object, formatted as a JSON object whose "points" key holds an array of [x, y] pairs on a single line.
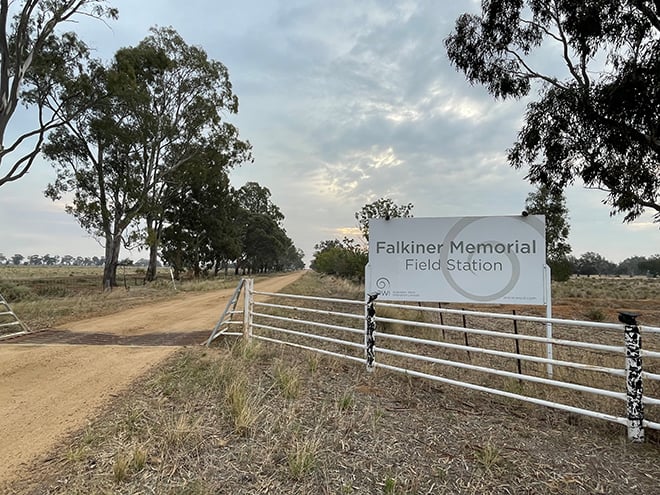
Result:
{"points": [[35, 65], [255, 198], [381, 208], [552, 204], [599, 118]]}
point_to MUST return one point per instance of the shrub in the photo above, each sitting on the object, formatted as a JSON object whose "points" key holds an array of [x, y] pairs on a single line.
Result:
{"points": [[561, 269], [342, 258], [13, 292]]}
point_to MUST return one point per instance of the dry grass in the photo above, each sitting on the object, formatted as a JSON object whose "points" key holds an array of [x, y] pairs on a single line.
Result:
{"points": [[44, 296], [246, 418], [176, 434]]}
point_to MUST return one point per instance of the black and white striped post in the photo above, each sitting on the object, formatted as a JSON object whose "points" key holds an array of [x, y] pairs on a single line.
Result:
{"points": [[370, 330], [634, 389]]}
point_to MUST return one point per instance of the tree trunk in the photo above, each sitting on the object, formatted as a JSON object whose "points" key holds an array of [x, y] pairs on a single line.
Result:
{"points": [[154, 232], [112, 248], [152, 269]]}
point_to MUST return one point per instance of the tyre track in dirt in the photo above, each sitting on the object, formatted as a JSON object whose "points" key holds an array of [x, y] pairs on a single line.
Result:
{"points": [[48, 391]]}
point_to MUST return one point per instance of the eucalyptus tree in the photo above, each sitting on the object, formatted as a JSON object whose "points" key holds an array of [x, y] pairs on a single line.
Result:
{"points": [[158, 107], [92, 157], [35, 63], [265, 243], [292, 258], [552, 204], [591, 263], [259, 221], [183, 119], [343, 258], [597, 115], [198, 223], [631, 266], [256, 199], [651, 266]]}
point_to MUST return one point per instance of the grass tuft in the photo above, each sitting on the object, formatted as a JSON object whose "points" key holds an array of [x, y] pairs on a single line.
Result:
{"points": [[346, 402], [302, 458], [287, 379], [246, 350], [182, 429], [139, 459], [242, 405], [389, 486], [488, 456], [595, 314], [121, 469]]}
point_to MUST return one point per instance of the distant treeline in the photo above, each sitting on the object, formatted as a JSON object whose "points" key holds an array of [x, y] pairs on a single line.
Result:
{"points": [[591, 263], [66, 260]]}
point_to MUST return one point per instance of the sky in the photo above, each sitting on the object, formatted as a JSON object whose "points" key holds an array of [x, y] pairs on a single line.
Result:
{"points": [[344, 102]]}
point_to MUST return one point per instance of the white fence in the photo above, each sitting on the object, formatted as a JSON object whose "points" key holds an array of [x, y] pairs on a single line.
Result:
{"points": [[594, 369]]}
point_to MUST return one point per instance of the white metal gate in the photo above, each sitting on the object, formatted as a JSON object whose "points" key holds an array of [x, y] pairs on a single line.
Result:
{"points": [[597, 366], [10, 324]]}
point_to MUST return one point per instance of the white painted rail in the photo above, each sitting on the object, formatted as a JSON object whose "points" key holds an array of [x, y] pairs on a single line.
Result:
{"points": [[10, 324]]}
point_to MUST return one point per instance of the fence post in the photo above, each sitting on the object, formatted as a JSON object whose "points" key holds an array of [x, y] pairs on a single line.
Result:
{"points": [[442, 322], [465, 335], [548, 315], [369, 331], [634, 389], [515, 330], [247, 308], [172, 277]]}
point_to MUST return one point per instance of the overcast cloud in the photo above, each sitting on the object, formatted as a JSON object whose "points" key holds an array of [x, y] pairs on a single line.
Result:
{"points": [[344, 102]]}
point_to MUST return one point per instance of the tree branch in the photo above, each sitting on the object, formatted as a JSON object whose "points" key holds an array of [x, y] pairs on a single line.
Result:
{"points": [[566, 55], [531, 73], [648, 13]]}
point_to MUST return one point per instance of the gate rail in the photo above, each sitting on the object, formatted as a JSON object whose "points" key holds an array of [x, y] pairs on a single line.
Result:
{"points": [[9, 320]]}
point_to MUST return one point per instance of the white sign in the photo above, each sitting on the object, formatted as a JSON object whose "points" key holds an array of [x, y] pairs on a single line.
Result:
{"points": [[464, 259]]}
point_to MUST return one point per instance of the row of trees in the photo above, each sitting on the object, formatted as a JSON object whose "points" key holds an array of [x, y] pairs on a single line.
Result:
{"points": [[141, 144], [210, 226], [591, 263], [209, 231], [346, 258]]}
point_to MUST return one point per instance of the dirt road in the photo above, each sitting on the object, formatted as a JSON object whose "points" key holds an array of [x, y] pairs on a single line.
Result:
{"points": [[46, 391]]}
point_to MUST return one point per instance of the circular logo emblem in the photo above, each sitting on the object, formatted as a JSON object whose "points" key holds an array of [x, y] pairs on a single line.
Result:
{"points": [[452, 235], [383, 284]]}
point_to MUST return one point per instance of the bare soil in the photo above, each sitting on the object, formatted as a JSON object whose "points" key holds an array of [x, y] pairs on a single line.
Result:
{"points": [[47, 391]]}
